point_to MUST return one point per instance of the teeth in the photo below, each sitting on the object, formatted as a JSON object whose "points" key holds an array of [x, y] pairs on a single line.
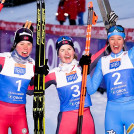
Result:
{"points": [[25, 52], [115, 46], [67, 57]]}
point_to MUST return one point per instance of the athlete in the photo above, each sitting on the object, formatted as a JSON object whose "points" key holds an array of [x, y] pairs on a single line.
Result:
{"points": [[16, 79], [117, 69], [67, 79]]}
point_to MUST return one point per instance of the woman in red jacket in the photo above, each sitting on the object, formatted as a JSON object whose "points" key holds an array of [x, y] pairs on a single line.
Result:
{"points": [[81, 10], [71, 9], [1, 4], [61, 15]]}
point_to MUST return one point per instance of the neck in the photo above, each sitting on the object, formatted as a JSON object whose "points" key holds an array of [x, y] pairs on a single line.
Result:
{"points": [[117, 54], [19, 59], [20, 55]]}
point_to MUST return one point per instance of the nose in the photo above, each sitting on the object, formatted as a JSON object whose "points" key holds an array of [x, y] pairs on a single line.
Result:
{"points": [[66, 52], [25, 46], [115, 41]]}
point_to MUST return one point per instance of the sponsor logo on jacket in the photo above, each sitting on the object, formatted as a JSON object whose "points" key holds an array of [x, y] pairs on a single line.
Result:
{"points": [[115, 63], [19, 69], [72, 76]]}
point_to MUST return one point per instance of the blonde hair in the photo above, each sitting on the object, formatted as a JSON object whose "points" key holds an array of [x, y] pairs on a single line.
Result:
{"points": [[75, 56]]}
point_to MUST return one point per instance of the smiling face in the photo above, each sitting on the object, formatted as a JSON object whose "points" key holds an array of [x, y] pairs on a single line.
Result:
{"points": [[24, 48], [66, 53], [116, 43]]}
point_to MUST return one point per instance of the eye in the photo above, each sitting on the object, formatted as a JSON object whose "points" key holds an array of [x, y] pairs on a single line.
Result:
{"points": [[111, 39], [61, 50], [119, 38], [69, 48], [29, 44], [21, 44]]}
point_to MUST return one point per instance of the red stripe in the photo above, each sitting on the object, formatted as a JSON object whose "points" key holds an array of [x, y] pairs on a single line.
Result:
{"points": [[1, 6], [2, 61], [50, 77], [96, 55]]}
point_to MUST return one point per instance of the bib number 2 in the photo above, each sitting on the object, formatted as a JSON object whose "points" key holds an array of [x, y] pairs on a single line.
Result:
{"points": [[118, 75]]}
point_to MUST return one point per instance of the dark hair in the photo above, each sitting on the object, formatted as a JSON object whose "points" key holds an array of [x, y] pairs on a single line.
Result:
{"points": [[108, 48]]}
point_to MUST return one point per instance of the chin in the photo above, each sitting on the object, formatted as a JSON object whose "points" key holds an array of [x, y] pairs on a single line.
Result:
{"points": [[67, 62], [116, 52]]}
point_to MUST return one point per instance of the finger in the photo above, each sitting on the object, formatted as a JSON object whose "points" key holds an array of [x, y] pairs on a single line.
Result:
{"points": [[46, 60]]}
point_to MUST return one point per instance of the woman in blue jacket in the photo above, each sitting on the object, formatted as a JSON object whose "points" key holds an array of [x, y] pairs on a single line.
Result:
{"points": [[117, 69]]}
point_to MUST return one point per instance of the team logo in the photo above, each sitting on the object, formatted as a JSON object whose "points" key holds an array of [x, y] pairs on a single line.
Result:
{"points": [[19, 69], [65, 42], [115, 63], [72, 76], [26, 38]]}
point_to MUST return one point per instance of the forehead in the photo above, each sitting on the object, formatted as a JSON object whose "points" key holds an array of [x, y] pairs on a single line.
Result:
{"points": [[24, 42], [65, 46], [116, 36]]}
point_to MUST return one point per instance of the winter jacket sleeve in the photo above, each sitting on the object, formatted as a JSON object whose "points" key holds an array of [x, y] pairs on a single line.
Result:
{"points": [[30, 90], [94, 82], [1, 6], [50, 79], [131, 55], [81, 6], [2, 61]]}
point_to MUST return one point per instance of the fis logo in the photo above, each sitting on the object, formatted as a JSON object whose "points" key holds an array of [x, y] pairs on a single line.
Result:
{"points": [[72, 76], [111, 132], [115, 63]]}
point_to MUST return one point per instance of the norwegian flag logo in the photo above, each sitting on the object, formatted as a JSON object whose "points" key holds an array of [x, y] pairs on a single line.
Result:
{"points": [[26, 38], [65, 42]]}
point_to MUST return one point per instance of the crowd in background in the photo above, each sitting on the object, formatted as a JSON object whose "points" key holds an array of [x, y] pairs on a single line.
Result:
{"points": [[71, 10]]}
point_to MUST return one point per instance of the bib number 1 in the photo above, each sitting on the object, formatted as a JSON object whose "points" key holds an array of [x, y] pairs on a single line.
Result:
{"points": [[19, 85]]}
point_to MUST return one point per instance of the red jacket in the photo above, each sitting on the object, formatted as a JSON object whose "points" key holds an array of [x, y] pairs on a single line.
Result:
{"points": [[71, 8], [1, 6], [61, 11], [81, 6]]}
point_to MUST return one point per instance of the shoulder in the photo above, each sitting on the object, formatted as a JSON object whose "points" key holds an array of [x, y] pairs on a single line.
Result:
{"points": [[5, 54], [105, 58], [31, 61], [103, 61], [56, 69]]}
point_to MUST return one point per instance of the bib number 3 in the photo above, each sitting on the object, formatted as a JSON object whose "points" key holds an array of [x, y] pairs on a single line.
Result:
{"points": [[76, 90]]}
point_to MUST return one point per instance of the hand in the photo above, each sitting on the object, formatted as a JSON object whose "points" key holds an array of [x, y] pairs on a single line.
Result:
{"points": [[85, 60], [46, 68], [112, 17]]}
